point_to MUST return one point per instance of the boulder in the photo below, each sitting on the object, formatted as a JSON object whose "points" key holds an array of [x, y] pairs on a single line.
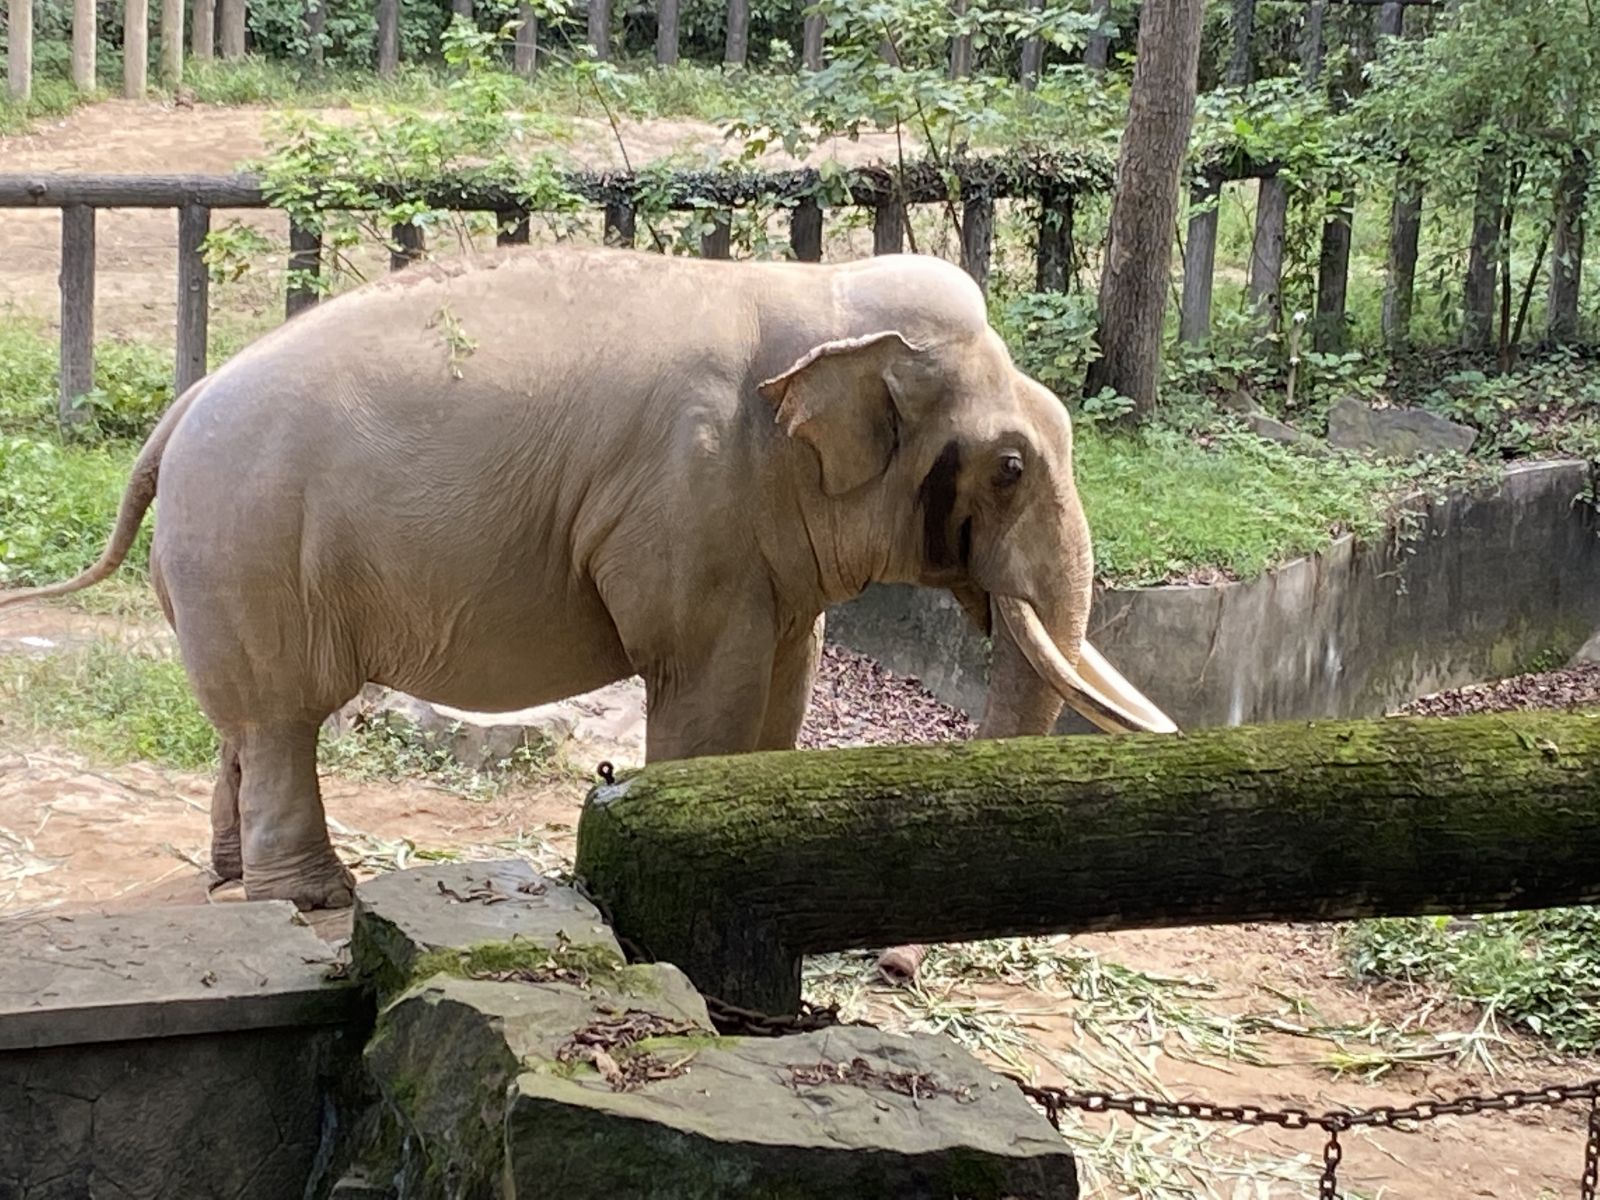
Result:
{"points": [[478, 741], [1274, 430], [551, 1089], [1395, 432]]}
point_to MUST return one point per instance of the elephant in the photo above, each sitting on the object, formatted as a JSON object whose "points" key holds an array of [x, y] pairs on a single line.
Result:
{"points": [[513, 478]]}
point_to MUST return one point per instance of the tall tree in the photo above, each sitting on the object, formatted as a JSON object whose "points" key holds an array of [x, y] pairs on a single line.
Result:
{"points": [[1138, 261]]}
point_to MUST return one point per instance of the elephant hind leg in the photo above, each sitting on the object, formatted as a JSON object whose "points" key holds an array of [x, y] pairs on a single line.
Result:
{"points": [[286, 851], [227, 855]]}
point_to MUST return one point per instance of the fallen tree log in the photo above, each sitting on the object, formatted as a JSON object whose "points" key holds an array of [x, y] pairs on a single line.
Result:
{"points": [[734, 868]]}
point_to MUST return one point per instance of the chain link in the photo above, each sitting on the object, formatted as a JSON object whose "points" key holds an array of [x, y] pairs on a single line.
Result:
{"points": [[1054, 1100]]}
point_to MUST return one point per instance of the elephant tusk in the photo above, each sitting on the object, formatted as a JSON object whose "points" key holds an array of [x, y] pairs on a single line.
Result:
{"points": [[1094, 689]]}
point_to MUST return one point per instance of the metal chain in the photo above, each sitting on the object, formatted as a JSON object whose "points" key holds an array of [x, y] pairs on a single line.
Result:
{"points": [[1054, 1100]]}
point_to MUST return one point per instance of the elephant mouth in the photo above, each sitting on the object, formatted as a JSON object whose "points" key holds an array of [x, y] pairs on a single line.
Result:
{"points": [[1093, 688]]}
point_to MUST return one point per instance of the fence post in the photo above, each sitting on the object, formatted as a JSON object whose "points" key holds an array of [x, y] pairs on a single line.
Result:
{"points": [[718, 242], [77, 311], [888, 226], [194, 294], [816, 29], [19, 49], [84, 44], [805, 230], [525, 50], [619, 229], [305, 258], [667, 33], [1032, 54], [172, 42], [1055, 241], [409, 246], [135, 48], [511, 229], [977, 237], [203, 31], [600, 28], [1199, 263], [388, 37], [960, 45]]}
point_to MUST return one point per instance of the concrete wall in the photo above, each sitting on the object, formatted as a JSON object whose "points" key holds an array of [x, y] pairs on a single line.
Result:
{"points": [[1471, 587]]}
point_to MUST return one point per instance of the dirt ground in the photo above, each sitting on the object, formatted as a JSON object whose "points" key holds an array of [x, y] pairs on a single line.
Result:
{"points": [[79, 835]]}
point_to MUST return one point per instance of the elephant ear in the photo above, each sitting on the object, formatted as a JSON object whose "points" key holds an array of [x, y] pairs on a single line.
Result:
{"points": [[846, 398]]}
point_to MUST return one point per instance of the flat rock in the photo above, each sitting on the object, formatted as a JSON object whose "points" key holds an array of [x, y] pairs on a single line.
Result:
{"points": [[1395, 432], [402, 916], [1274, 430], [823, 1114], [166, 972], [445, 1052]]}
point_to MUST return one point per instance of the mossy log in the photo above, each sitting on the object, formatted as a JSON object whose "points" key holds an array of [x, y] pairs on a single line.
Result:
{"points": [[734, 868]]}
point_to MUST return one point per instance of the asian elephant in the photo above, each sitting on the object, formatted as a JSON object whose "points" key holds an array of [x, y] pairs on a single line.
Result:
{"points": [[498, 483]]}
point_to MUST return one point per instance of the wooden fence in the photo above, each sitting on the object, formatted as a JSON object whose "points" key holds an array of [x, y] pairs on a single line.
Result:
{"points": [[969, 188]]}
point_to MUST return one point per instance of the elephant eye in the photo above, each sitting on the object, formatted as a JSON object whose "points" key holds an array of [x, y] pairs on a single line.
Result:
{"points": [[1009, 470]]}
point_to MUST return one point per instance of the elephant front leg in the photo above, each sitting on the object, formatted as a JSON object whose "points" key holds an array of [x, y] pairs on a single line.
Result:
{"points": [[794, 673], [710, 697]]}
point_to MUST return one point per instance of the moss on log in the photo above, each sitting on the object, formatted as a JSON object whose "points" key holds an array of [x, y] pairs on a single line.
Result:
{"points": [[733, 868]]}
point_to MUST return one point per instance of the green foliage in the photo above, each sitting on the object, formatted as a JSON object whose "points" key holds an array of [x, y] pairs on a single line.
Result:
{"points": [[1051, 335], [1539, 970], [116, 702], [1549, 405], [57, 504], [1167, 505]]}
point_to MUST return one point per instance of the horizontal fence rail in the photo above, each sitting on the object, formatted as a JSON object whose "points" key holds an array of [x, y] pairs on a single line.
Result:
{"points": [[968, 187]]}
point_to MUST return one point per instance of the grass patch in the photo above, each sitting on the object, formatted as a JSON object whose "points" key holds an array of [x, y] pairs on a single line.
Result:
{"points": [[1539, 971], [1166, 505], [57, 504]]}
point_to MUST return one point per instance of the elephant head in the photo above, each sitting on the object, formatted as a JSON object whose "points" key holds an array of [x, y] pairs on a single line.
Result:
{"points": [[939, 463]]}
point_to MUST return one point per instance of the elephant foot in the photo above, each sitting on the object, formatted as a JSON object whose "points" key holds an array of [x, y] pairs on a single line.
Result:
{"points": [[323, 882], [227, 859], [900, 964]]}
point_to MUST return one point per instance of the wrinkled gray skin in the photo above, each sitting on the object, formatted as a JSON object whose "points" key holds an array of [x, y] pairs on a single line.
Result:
{"points": [[502, 485]]}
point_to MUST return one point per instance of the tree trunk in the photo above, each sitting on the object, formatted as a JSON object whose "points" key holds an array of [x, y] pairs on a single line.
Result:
{"points": [[233, 27], [19, 49], [388, 38], [461, 8], [203, 30], [135, 48], [734, 868], [1312, 43], [1243, 22], [525, 49], [600, 28], [1144, 210], [1032, 54], [816, 30], [960, 45], [1097, 50], [1199, 264], [1405, 232], [667, 33], [1392, 19], [84, 44], [1566, 264], [172, 42], [1333, 282], [1478, 291], [736, 47], [1265, 281]]}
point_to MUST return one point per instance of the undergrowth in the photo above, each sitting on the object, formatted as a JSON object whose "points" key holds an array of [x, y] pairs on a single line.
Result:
{"points": [[1539, 971], [126, 701]]}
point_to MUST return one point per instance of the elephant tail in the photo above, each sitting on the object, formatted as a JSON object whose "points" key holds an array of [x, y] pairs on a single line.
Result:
{"points": [[136, 498]]}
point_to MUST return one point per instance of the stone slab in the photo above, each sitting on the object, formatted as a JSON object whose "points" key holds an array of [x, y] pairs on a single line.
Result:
{"points": [[402, 915], [74, 979], [747, 1118]]}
